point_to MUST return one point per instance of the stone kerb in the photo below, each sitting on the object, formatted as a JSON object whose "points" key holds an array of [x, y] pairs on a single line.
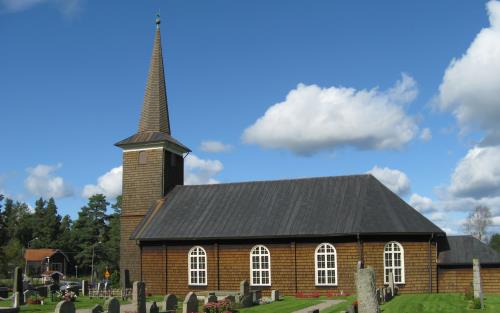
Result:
{"points": [[65, 307], [190, 303]]}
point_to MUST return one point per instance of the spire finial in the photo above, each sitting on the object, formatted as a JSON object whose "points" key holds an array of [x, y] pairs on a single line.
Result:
{"points": [[158, 21]]}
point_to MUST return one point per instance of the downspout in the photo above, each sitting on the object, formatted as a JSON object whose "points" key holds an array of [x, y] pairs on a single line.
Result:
{"points": [[430, 263], [360, 250]]}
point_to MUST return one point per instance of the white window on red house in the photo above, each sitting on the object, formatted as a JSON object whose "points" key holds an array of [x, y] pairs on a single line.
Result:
{"points": [[394, 262], [326, 265], [197, 262], [260, 266]]}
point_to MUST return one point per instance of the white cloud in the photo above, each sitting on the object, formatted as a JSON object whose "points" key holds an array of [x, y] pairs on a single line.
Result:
{"points": [[199, 171], [393, 179], [426, 134], [214, 146], [42, 183], [471, 84], [421, 203], [313, 118], [67, 7], [477, 175], [109, 184]]}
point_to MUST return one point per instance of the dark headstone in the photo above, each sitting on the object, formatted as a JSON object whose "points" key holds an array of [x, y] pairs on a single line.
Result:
{"points": [[112, 305], [18, 284], [126, 279], [169, 302], [65, 307], [244, 288], [211, 298], [97, 309], [139, 296], [43, 291], [154, 308], [190, 303], [4, 292], [275, 295]]}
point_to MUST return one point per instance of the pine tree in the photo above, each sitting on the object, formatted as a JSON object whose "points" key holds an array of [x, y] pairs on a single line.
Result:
{"points": [[113, 244], [48, 224], [89, 230]]}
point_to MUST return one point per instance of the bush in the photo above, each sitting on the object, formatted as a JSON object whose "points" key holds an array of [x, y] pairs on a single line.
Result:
{"points": [[114, 279]]}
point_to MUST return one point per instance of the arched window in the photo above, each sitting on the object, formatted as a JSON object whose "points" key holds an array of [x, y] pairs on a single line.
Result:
{"points": [[326, 265], [197, 262], [394, 261], [260, 266]]}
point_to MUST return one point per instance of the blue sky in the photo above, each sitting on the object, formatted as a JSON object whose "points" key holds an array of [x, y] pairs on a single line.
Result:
{"points": [[258, 90]]}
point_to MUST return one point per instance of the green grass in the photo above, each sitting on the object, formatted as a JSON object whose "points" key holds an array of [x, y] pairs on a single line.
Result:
{"points": [[438, 303], [49, 306], [287, 305]]}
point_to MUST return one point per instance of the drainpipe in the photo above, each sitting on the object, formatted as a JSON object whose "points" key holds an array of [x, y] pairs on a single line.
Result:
{"points": [[360, 250]]}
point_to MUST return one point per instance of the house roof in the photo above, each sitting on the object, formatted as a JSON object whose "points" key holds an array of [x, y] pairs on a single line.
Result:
{"points": [[311, 207], [40, 254], [460, 250]]}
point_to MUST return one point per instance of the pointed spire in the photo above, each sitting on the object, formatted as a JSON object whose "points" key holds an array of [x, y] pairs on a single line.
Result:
{"points": [[154, 116]]}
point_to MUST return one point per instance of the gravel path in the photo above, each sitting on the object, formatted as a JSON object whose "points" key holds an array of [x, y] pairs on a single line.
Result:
{"points": [[323, 305]]}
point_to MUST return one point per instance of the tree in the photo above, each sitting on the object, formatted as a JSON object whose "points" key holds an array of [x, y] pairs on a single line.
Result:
{"points": [[48, 224], [112, 246], [89, 229], [478, 221], [495, 242]]}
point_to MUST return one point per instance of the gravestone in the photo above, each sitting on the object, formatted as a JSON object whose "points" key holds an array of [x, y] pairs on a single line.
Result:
{"points": [[190, 303], [65, 307], [391, 283], [231, 299], [126, 283], [18, 284], [256, 296], [211, 298], [169, 302], [244, 288], [476, 281], [43, 291], [85, 288], [4, 292], [97, 309], [28, 294], [365, 288], [16, 303], [154, 308], [139, 296], [275, 295], [112, 305], [379, 297]]}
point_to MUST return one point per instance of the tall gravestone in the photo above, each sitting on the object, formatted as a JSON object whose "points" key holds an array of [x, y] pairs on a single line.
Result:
{"points": [[391, 283], [365, 287], [476, 281], [112, 305], [154, 308], [65, 307], [190, 303], [139, 296], [170, 302], [18, 284]]}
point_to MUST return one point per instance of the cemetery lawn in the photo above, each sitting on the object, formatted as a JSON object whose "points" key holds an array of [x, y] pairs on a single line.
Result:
{"points": [[49, 306], [288, 304], [437, 303]]}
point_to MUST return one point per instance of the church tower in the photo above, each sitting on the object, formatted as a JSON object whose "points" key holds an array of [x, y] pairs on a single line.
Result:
{"points": [[153, 162]]}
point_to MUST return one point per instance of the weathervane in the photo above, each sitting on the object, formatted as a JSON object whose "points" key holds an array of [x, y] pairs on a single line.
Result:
{"points": [[158, 19]]}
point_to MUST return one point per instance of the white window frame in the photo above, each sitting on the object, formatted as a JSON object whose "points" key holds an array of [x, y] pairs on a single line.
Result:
{"points": [[257, 252], [199, 254], [325, 268], [390, 251]]}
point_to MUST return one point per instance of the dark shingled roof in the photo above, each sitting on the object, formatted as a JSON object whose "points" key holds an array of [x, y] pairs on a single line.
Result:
{"points": [[460, 250], [154, 125], [311, 207]]}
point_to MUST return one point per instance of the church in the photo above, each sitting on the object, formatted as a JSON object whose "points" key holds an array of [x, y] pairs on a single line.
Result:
{"points": [[295, 235]]}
